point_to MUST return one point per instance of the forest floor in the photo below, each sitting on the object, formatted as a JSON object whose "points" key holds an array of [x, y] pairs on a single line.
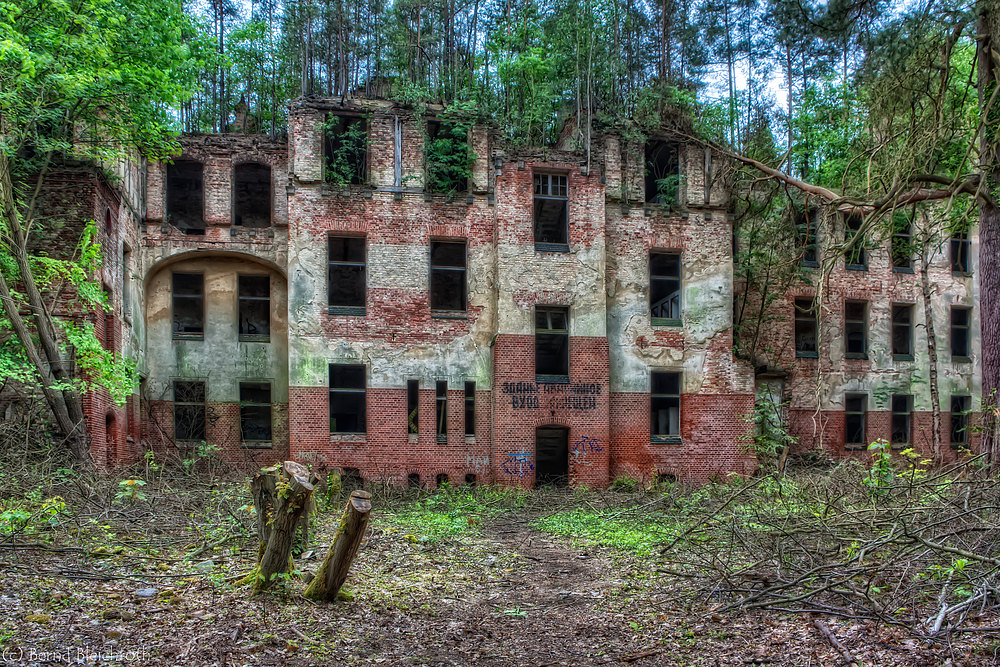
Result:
{"points": [[481, 576]]}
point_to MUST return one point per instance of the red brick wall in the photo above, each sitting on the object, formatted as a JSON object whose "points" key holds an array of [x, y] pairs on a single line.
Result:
{"points": [[712, 444]]}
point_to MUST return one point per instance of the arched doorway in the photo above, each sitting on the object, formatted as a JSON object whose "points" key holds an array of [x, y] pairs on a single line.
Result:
{"points": [[551, 456]]}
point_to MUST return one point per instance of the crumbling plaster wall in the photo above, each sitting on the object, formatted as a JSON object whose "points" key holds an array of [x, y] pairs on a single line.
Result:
{"points": [[825, 380], [397, 338]]}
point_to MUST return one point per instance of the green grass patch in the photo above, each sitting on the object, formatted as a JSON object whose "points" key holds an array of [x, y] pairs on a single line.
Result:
{"points": [[638, 534], [453, 511]]}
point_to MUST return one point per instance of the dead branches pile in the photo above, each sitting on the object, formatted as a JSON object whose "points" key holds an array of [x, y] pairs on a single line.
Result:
{"points": [[919, 549]]}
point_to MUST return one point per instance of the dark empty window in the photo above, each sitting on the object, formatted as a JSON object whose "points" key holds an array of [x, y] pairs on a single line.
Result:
{"points": [[346, 284], [855, 408], [901, 408], [189, 410], [805, 328], [665, 406], [255, 413], [960, 321], [902, 330], [665, 288], [960, 421], [189, 305], [961, 248], [346, 150], [185, 194], [470, 408], [551, 344], [413, 480], [902, 243], [441, 408], [347, 398], [856, 329], [413, 406], [109, 322], [255, 307], [662, 172], [441, 479], [857, 257], [126, 278], [805, 228], [446, 153], [448, 276], [551, 212], [252, 195]]}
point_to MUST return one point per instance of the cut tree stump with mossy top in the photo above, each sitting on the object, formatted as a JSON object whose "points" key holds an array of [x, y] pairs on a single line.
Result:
{"points": [[282, 495], [333, 572]]}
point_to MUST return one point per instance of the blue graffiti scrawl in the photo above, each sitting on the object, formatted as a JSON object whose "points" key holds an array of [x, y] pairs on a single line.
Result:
{"points": [[518, 464], [583, 446]]}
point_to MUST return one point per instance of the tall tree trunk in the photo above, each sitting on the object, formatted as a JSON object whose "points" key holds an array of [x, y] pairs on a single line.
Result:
{"points": [[56, 381], [932, 376], [988, 66]]}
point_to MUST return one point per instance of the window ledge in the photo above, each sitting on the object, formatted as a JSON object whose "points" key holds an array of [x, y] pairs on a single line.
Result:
{"points": [[807, 355], [855, 448], [255, 338], [442, 439], [856, 267], [188, 336], [551, 379], [412, 437], [810, 263], [855, 355], [551, 247], [902, 357], [902, 269], [961, 360], [348, 311], [665, 440], [470, 438], [960, 446], [344, 436], [962, 274], [666, 322], [257, 445], [449, 315]]}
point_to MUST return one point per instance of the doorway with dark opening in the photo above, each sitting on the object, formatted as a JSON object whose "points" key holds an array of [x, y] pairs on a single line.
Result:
{"points": [[551, 456]]}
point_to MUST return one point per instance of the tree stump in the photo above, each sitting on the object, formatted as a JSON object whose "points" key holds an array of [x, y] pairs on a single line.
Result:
{"points": [[282, 495], [333, 572]]}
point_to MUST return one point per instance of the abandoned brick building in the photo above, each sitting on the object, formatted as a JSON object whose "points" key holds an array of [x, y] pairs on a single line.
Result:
{"points": [[553, 316]]}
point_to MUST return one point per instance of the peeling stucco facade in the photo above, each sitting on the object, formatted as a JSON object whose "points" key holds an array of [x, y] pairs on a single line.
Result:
{"points": [[479, 363]]}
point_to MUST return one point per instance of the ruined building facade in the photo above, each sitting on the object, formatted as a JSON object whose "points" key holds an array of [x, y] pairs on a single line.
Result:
{"points": [[556, 316]]}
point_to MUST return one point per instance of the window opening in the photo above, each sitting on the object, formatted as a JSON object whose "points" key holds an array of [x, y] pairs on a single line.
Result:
{"points": [[902, 331], [347, 398], [855, 406], [960, 421], [252, 195], [255, 413], [856, 329], [902, 406], [255, 307], [448, 283], [665, 288], [470, 409], [551, 212], [960, 321], [189, 410], [551, 344], [346, 150], [857, 257], [185, 195], [662, 160], [189, 305], [347, 275], [441, 404], [413, 406], [665, 406], [805, 328]]}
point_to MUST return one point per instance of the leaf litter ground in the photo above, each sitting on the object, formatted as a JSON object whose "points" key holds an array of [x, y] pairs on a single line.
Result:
{"points": [[483, 577]]}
